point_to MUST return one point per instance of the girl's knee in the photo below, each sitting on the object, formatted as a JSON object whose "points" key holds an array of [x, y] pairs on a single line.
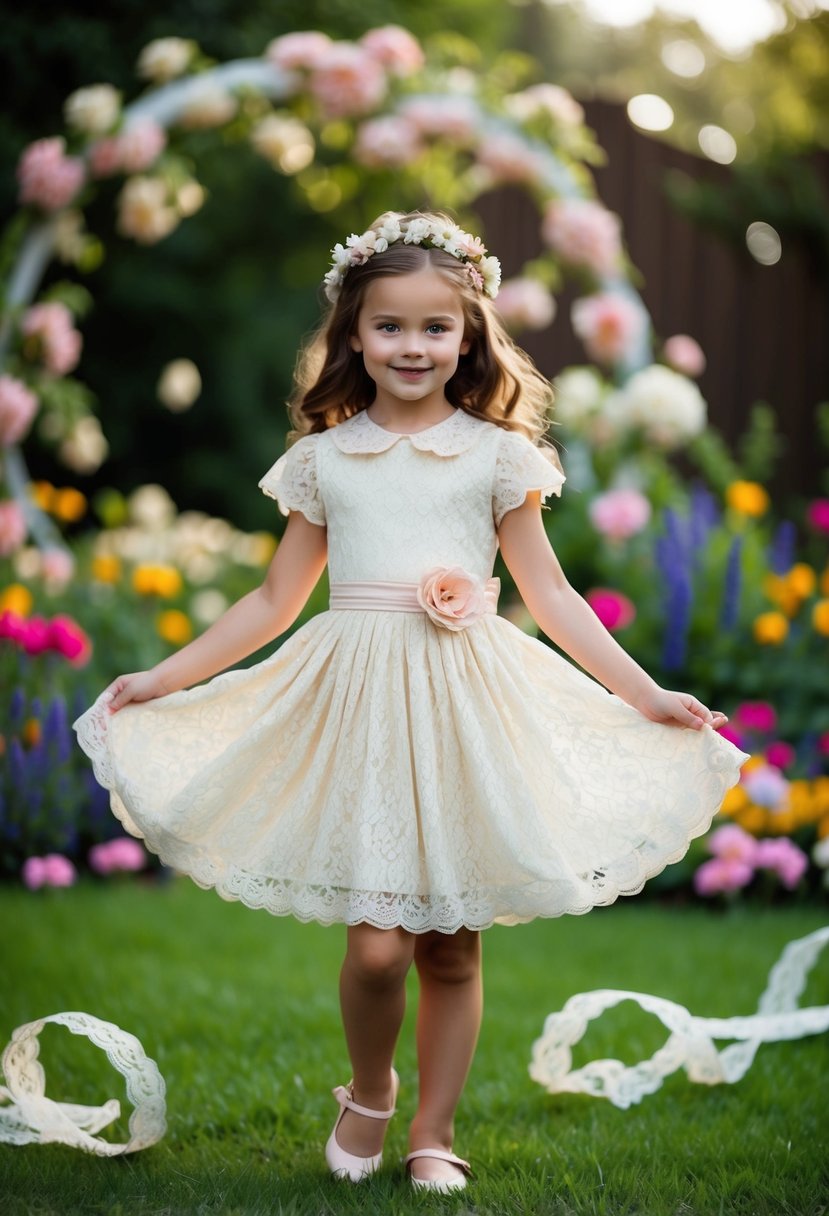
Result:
{"points": [[449, 958], [378, 957]]}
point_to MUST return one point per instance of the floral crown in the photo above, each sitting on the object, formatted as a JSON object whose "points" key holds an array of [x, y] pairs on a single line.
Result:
{"points": [[484, 272]]}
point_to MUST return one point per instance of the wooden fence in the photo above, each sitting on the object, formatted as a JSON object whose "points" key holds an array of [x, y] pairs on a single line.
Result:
{"points": [[764, 329]]}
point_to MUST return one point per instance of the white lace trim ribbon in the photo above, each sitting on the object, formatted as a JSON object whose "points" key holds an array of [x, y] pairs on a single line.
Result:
{"points": [[32, 1118], [690, 1044]]}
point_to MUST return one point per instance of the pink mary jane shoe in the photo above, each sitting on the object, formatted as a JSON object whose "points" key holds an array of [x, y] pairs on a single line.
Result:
{"points": [[444, 1185], [341, 1163]]}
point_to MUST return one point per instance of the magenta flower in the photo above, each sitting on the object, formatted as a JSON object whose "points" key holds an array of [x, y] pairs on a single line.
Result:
{"points": [[722, 874], [782, 856], [53, 870], [780, 754], [734, 737], [68, 639], [613, 609], [619, 514], [756, 715], [817, 515]]}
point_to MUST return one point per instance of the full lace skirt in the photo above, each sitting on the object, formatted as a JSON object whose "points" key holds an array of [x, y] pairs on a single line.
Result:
{"points": [[377, 768]]}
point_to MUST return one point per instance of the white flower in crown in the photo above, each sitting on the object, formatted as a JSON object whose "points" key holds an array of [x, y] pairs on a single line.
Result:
{"points": [[484, 272]]}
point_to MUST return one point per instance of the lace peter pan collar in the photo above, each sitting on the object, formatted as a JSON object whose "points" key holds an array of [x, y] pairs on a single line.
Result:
{"points": [[453, 435]]}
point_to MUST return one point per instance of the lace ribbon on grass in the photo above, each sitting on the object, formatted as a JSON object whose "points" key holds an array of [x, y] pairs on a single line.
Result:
{"points": [[690, 1044], [31, 1118]]}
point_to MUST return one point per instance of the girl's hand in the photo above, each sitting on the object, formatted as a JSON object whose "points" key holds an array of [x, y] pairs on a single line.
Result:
{"points": [[678, 709], [138, 686]]}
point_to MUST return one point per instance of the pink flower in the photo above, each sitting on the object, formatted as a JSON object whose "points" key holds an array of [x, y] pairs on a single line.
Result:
{"points": [[733, 736], [783, 857], [767, 787], [817, 514], [732, 843], [756, 715], [525, 304], [104, 156], [684, 354], [12, 627], [721, 874], [451, 597], [347, 81], [67, 638], [391, 141], [583, 233], [452, 118], [18, 406], [122, 853], [620, 513], [53, 870], [614, 610], [12, 527], [50, 332], [508, 158], [35, 635], [48, 177], [395, 48], [140, 145], [823, 744], [304, 49], [607, 325], [57, 567], [780, 754]]}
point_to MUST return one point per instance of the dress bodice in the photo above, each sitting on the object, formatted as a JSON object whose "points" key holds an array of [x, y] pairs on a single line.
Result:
{"points": [[396, 505]]}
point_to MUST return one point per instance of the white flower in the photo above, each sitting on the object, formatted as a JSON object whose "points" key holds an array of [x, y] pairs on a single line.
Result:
{"points": [[144, 212], [578, 395], [390, 230], [179, 385], [93, 110], [416, 232], [210, 106], [85, 448], [284, 141], [490, 268], [165, 58], [668, 407]]}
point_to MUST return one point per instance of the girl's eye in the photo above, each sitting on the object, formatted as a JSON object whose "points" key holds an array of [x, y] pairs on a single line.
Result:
{"points": [[436, 329], [388, 327]]}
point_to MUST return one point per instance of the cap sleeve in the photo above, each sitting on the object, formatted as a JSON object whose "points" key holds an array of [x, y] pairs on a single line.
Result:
{"points": [[292, 481], [520, 467]]}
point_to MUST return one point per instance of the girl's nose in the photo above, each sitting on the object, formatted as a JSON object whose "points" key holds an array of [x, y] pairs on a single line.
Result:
{"points": [[413, 345]]}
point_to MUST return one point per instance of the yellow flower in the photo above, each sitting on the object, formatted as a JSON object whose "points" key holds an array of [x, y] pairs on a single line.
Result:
{"points": [[781, 593], [823, 827], [820, 793], [17, 599], [802, 580], [174, 627], [824, 582], [747, 498], [106, 569], [820, 617], [734, 801], [753, 819], [31, 732], [69, 504], [770, 628], [42, 493], [164, 581]]}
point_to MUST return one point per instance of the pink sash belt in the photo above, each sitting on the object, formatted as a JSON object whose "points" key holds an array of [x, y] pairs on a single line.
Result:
{"points": [[394, 597]]}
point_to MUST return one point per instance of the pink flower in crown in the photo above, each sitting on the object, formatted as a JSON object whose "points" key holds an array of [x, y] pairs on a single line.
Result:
{"points": [[395, 48], [451, 597]]}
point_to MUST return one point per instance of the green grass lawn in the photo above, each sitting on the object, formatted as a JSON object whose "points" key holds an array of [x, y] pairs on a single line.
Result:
{"points": [[240, 1011]]}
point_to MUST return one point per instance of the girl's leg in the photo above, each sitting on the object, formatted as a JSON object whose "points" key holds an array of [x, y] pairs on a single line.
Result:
{"points": [[449, 1017], [373, 1001]]}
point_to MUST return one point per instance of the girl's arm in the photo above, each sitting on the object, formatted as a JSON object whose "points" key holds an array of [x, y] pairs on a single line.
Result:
{"points": [[257, 618], [570, 622]]}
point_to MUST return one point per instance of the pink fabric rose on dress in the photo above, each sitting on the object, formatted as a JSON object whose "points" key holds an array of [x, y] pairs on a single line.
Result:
{"points": [[451, 597]]}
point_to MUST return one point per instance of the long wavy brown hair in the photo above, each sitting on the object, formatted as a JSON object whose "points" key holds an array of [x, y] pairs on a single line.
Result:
{"points": [[495, 380]]}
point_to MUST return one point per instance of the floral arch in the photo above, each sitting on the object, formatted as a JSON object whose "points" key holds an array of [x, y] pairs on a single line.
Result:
{"points": [[380, 103]]}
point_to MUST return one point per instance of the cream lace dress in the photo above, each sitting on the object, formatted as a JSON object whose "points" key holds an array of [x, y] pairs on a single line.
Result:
{"points": [[379, 767]]}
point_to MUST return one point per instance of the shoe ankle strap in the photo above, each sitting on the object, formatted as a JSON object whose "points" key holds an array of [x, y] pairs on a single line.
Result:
{"points": [[439, 1154], [343, 1095]]}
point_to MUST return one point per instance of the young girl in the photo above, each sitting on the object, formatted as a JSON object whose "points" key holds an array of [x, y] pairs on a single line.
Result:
{"points": [[410, 763]]}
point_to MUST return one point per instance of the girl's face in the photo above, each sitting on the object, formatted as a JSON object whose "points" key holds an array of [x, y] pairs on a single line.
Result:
{"points": [[410, 332]]}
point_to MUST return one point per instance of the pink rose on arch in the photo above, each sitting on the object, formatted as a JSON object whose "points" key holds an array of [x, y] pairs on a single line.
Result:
{"points": [[607, 324], [614, 610], [619, 514], [303, 49], [385, 141], [583, 233], [451, 597], [348, 81], [684, 354], [18, 406], [395, 48], [48, 177], [50, 336], [53, 870], [509, 158], [12, 527], [525, 303]]}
